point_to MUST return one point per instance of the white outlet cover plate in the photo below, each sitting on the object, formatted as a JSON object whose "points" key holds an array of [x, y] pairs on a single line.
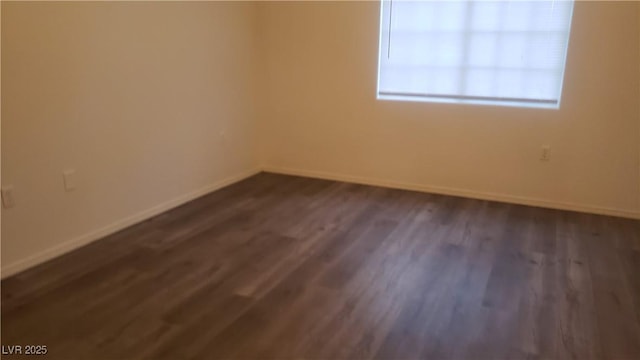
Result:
{"points": [[70, 181]]}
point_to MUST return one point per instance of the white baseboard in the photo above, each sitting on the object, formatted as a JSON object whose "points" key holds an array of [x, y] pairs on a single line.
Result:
{"points": [[457, 192], [85, 239]]}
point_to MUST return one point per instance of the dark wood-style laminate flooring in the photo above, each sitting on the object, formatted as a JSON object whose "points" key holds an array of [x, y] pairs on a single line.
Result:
{"points": [[279, 267]]}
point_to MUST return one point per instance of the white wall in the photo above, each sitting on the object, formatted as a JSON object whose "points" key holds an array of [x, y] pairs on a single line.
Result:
{"points": [[133, 95], [323, 118]]}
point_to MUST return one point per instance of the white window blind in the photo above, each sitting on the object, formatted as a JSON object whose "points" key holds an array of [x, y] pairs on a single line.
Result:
{"points": [[507, 52]]}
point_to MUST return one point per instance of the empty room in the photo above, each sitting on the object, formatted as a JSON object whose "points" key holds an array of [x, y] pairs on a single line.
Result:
{"points": [[390, 179]]}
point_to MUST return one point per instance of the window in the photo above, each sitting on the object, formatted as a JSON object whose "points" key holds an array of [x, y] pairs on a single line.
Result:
{"points": [[493, 52]]}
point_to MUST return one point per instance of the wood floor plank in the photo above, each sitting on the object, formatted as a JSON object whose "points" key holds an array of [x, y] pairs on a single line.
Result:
{"points": [[284, 267], [577, 330], [614, 305]]}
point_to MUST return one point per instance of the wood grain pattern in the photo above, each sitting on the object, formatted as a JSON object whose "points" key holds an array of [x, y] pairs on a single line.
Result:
{"points": [[288, 267]]}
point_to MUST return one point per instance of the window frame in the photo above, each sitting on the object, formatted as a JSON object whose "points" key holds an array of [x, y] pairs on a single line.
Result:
{"points": [[386, 13]]}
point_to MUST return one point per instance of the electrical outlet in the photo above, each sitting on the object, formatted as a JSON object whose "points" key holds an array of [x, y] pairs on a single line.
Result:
{"points": [[7, 197], [70, 182], [224, 137], [545, 154]]}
